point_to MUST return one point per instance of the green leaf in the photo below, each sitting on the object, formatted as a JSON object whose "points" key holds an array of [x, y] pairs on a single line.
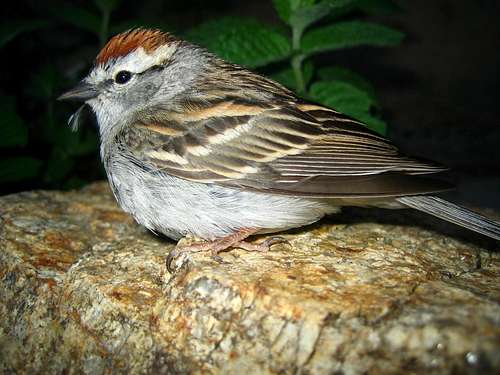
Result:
{"points": [[347, 99], [10, 29], [107, 6], [340, 3], [286, 8], [19, 168], [14, 131], [242, 41], [340, 7], [341, 96], [304, 17], [349, 34], [378, 6], [302, 14], [340, 11], [287, 78], [372, 122], [79, 17], [338, 73]]}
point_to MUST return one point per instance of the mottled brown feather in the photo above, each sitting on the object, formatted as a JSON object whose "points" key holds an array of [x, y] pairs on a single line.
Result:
{"points": [[128, 41], [287, 150], [250, 132]]}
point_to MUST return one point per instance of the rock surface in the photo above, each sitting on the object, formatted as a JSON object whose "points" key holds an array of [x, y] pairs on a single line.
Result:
{"points": [[84, 290]]}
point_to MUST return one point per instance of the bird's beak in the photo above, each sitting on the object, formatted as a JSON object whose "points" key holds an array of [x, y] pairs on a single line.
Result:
{"points": [[82, 92]]}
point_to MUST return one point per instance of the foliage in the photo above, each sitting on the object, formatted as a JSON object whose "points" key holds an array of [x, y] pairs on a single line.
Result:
{"points": [[314, 27], [39, 150]]}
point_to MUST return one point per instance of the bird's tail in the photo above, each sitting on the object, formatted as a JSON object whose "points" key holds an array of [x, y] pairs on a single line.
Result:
{"points": [[451, 212]]}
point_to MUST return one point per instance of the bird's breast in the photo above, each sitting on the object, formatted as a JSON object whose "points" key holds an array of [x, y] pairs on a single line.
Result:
{"points": [[176, 207]]}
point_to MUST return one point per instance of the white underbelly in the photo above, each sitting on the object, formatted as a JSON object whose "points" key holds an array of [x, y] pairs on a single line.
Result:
{"points": [[176, 207]]}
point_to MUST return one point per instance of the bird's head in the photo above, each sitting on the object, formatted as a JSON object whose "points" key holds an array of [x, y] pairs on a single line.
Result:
{"points": [[135, 70]]}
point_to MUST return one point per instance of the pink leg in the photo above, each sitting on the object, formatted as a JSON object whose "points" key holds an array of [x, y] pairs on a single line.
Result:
{"points": [[214, 247], [224, 243], [261, 247]]}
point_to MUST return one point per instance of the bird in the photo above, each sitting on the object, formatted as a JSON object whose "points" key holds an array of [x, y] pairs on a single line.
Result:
{"points": [[193, 145]]}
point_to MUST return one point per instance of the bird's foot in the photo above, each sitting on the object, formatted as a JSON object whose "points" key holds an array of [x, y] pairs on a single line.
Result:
{"points": [[235, 240], [263, 246], [215, 247]]}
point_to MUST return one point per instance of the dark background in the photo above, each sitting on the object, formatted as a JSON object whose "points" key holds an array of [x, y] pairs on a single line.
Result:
{"points": [[439, 90]]}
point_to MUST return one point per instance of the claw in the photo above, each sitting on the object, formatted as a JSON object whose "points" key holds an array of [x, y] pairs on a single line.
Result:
{"points": [[276, 240], [179, 250], [170, 259], [168, 262], [215, 246]]}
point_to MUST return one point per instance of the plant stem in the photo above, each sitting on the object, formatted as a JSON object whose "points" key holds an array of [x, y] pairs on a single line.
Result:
{"points": [[297, 60], [297, 71], [103, 34], [296, 36]]}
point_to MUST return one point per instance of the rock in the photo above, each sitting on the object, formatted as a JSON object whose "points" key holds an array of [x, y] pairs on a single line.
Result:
{"points": [[84, 290]]}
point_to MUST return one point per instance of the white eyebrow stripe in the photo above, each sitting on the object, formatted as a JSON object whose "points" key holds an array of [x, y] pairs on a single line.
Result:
{"points": [[136, 61]]}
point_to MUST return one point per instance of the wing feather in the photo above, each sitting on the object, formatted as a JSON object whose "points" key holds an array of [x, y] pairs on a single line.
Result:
{"points": [[290, 148]]}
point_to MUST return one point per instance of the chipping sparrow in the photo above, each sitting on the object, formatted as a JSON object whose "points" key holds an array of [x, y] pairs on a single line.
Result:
{"points": [[193, 145]]}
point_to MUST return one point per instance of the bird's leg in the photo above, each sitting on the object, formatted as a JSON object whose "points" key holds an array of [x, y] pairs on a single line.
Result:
{"points": [[215, 247], [263, 246]]}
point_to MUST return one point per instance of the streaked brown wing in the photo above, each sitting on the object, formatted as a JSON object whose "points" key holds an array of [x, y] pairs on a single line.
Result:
{"points": [[299, 149]]}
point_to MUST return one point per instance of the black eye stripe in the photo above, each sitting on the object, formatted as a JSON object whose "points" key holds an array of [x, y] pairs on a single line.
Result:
{"points": [[123, 76], [152, 69]]}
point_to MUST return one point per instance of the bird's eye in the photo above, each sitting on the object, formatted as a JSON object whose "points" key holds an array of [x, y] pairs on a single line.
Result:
{"points": [[123, 76]]}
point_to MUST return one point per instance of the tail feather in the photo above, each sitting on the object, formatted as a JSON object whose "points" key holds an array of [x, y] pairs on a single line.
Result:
{"points": [[451, 212]]}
